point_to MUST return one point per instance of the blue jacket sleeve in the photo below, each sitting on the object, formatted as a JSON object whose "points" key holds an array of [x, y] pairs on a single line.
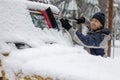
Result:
{"points": [[90, 39]]}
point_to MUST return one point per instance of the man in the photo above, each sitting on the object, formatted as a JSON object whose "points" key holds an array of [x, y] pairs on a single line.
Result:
{"points": [[96, 40]]}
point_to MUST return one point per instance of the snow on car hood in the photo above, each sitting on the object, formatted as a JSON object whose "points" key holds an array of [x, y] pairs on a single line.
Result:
{"points": [[62, 62]]}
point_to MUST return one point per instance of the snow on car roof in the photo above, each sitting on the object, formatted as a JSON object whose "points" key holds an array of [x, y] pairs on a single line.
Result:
{"points": [[41, 6], [36, 5]]}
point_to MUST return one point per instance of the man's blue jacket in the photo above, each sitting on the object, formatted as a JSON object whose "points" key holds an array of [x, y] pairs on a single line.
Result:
{"points": [[95, 42]]}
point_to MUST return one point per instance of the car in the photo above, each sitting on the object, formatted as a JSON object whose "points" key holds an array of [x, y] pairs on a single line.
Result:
{"points": [[30, 49], [23, 27]]}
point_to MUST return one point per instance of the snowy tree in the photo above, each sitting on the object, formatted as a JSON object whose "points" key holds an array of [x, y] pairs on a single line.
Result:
{"points": [[79, 7], [116, 19], [41, 1]]}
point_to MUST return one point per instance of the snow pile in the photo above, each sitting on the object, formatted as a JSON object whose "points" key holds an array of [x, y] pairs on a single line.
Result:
{"points": [[64, 63], [41, 6]]}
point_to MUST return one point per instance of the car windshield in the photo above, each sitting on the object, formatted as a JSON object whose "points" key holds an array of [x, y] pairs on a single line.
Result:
{"points": [[39, 21]]}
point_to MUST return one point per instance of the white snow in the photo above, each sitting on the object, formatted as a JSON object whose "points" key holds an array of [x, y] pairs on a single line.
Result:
{"points": [[61, 60], [41, 6]]}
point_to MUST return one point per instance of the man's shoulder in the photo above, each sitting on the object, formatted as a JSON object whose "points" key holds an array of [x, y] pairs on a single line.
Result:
{"points": [[105, 31]]}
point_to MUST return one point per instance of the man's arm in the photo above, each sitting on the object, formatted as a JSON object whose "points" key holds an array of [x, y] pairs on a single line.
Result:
{"points": [[86, 41]]}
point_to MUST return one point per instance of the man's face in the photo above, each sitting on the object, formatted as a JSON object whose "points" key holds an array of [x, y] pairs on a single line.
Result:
{"points": [[95, 24]]}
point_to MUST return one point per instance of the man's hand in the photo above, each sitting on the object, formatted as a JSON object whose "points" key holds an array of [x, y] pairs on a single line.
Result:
{"points": [[65, 23], [80, 20]]}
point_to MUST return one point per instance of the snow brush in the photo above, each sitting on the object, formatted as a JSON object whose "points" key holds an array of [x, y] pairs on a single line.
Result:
{"points": [[49, 18]]}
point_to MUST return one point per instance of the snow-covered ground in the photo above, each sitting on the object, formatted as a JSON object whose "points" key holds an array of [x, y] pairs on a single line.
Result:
{"points": [[60, 60]]}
